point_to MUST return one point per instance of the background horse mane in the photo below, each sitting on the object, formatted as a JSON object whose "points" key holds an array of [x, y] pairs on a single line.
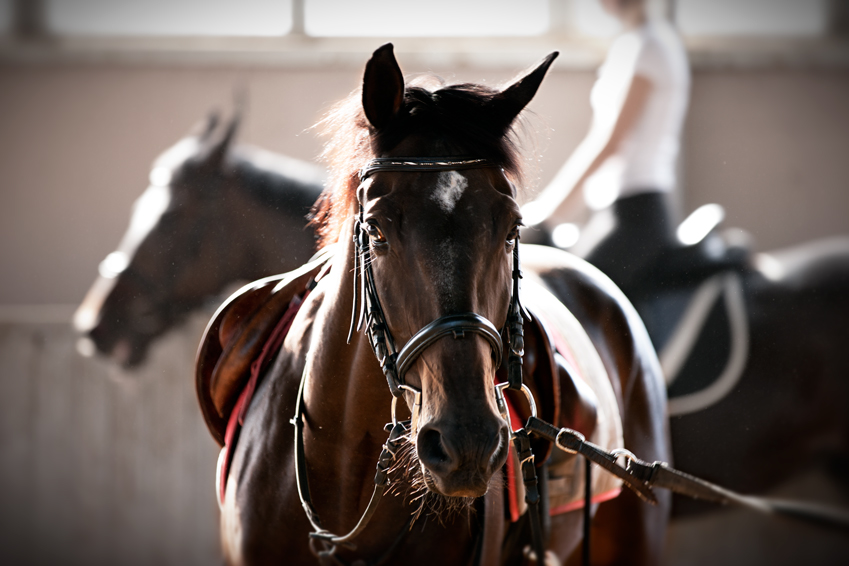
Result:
{"points": [[458, 114]]}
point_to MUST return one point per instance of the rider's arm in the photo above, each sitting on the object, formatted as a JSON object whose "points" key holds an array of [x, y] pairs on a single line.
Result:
{"points": [[559, 201]]}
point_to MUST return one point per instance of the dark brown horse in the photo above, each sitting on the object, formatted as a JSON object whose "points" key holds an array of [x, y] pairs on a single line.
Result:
{"points": [[440, 243], [785, 413], [214, 214]]}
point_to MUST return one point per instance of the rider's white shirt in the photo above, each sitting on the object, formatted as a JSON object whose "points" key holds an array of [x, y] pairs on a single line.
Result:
{"points": [[646, 157]]}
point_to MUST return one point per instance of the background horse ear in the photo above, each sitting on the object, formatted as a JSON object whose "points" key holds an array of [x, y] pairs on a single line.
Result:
{"points": [[383, 87], [509, 102], [219, 148], [203, 129]]}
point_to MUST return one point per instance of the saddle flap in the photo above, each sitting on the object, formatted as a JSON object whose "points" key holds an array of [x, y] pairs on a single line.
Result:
{"points": [[235, 336], [587, 401]]}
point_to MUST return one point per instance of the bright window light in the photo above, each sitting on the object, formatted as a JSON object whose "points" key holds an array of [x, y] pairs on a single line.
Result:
{"points": [[752, 17], [699, 224], [590, 19], [169, 17], [425, 18], [565, 235]]}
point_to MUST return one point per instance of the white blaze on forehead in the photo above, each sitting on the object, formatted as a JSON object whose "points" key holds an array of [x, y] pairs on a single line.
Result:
{"points": [[449, 188]]}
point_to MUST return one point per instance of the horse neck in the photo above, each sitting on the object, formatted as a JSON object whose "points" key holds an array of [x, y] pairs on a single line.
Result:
{"points": [[347, 401], [270, 219]]}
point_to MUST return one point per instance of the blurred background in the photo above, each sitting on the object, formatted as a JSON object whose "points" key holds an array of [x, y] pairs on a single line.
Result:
{"points": [[102, 465]]}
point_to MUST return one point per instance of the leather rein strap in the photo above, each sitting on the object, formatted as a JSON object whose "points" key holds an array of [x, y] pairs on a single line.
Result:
{"points": [[641, 477]]}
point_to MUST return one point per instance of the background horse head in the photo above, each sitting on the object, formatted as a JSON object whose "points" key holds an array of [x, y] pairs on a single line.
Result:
{"points": [[214, 214]]}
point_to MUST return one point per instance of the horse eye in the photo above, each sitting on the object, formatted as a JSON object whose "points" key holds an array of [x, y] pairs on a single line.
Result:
{"points": [[375, 233], [512, 237]]}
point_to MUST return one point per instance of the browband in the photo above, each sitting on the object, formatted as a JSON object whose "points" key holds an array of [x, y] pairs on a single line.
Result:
{"points": [[421, 164]]}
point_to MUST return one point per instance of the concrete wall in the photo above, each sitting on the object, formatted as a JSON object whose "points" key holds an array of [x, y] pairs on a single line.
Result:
{"points": [[77, 140], [98, 466]]}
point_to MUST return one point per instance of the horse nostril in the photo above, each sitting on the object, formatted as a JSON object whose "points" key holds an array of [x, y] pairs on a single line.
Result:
{"points": [[435, 452], [498, 454]]}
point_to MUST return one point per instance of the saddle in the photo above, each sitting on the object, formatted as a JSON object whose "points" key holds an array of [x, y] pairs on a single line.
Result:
{"points": [[693, 306], [238, 333]]}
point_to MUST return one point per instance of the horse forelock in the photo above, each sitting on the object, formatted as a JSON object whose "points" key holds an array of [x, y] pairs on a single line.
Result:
{"points": [[455, 119]]}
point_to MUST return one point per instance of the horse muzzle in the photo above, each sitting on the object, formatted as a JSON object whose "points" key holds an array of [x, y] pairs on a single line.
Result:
{"points": [[460, 458]]}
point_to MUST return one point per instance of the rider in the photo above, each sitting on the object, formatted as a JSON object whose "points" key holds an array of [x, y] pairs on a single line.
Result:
{"points": [[626, 163]]}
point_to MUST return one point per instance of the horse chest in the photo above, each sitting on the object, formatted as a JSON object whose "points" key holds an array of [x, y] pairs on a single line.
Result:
{"points": [[261, 517]]}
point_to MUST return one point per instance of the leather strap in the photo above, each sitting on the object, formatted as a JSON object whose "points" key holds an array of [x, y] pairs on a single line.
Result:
{"points": [[661, 474], [491, 537], [641, 477], [588, 499], [381, 480], [574, 442], [421, 164], [367, 309], [522, 444]]}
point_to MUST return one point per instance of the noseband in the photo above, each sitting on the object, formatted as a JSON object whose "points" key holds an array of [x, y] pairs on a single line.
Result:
{"points": [[393, 362]]}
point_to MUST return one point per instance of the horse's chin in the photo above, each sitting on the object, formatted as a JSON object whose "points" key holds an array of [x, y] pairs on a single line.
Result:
{"points": [[422, 488], [469, 488], [128, 353]]}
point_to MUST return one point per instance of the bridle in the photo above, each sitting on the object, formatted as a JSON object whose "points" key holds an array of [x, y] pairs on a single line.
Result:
{"points": [[393, 362], [367, 311]]}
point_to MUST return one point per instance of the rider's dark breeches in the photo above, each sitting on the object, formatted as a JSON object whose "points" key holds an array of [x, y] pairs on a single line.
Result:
{"points": [[627, 239]]}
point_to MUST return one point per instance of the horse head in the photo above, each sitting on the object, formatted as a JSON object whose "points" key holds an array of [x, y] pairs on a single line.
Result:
{"points": [[440, 243], [168, 262]]}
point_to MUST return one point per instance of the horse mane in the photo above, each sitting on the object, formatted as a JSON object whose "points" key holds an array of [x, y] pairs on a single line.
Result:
{"points": [[277, 182], [457, 116]]}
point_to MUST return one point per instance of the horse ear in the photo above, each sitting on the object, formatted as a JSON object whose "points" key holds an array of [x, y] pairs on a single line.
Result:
{"points": [[509, 102], [383, 87], [220, 147], [205, 127]]}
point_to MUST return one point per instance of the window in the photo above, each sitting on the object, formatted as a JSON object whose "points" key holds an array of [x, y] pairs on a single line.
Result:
{"points": [[753, 17], [588, 18], [555, 21], [169, 17], [425, 18]]}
